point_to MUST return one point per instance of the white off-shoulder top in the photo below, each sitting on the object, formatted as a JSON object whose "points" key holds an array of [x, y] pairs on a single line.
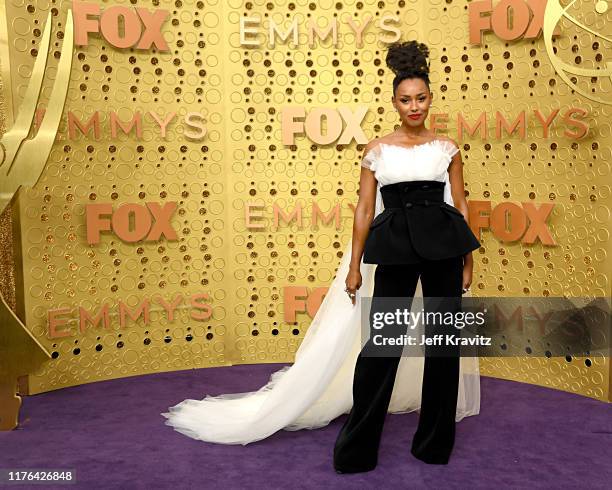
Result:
{"points": [[427, 161]]}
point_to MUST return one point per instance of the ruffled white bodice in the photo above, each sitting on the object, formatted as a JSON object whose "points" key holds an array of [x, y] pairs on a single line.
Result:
{"points": [[428, 161]]}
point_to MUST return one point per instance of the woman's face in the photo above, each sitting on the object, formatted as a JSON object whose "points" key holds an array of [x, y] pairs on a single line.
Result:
{"points": [[412, 98]]}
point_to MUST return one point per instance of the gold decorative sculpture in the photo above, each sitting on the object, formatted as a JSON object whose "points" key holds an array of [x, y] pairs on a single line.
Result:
{"points": [[22, 162], [553, 14]]}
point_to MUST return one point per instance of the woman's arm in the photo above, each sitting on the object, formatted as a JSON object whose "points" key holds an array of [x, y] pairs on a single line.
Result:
{"points": [[455, 176], [364, 214]]}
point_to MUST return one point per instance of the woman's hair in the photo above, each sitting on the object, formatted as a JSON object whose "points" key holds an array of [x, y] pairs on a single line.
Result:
{"points": [[408, 60]]}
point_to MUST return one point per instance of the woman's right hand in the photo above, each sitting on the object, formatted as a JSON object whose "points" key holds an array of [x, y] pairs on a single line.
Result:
{"points": [[353, 283]]}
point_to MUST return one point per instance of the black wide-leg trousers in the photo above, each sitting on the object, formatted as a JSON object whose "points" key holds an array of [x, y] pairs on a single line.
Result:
{"points": [[356, 447]]}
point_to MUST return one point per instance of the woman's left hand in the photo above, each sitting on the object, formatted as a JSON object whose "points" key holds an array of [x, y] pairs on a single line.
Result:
{"points": [[468, 268]]}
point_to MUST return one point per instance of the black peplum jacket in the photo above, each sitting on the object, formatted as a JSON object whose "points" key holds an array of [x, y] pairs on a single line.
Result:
{"points": [[416, 225]]}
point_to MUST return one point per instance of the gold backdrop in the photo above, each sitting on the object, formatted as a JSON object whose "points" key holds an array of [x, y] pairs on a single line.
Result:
{"points": [[240, 92]]}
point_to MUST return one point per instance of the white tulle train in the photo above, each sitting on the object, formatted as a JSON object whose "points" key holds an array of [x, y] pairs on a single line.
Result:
{"points": [[317, 387]]}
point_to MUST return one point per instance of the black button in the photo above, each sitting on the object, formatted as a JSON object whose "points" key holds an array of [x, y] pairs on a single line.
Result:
{"points": [[425, 187], [408, 204], [405, 189]]}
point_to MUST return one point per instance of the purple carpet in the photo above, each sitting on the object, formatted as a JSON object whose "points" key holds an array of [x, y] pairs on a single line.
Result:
{"points": [[113, 435]]}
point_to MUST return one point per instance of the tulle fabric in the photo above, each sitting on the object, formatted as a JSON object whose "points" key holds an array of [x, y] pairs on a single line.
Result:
{"points": [[317, 387]]}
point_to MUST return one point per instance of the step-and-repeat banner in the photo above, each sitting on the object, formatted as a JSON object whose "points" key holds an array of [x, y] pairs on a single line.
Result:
{"points": [[199, 192]]}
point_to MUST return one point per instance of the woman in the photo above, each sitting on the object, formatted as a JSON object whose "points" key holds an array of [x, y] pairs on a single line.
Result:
{"points": [[419, 236], [317, 387]]}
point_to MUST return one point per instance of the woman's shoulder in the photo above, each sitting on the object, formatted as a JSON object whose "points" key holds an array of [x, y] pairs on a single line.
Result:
{"points": [[448, 139], [448, 144], [372, 153], [374, 145]]}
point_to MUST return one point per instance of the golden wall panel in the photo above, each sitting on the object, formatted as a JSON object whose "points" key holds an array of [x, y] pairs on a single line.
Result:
{"points": [[241, 92]]}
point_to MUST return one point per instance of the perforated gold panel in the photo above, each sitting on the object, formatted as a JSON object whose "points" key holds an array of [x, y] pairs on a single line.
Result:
{"points": [[240, 93]]}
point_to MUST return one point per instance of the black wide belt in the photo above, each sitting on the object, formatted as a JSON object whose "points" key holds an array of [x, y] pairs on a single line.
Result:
{"points": [[407, 194], [417, 225]]}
